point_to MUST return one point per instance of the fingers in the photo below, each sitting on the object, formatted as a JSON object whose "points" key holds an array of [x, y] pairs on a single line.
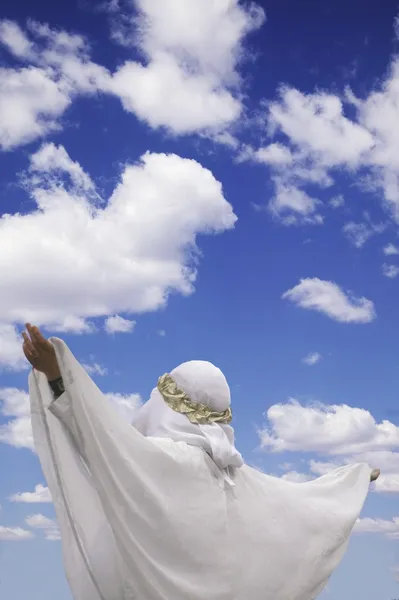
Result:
{"points": [[37, 338], [30, 343], [28, 348]]}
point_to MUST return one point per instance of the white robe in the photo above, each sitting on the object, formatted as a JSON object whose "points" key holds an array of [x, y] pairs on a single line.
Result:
{"points": [[153, 519]]}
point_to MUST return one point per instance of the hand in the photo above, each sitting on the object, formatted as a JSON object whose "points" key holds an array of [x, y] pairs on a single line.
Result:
{"points": [[375, 473], [40, 353]]}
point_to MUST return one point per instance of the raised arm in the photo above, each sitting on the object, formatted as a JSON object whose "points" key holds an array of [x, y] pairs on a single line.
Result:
{"points": [[41, 355]]}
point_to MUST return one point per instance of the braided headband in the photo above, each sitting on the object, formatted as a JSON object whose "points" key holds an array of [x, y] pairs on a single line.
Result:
{"points": [[197, 413]]}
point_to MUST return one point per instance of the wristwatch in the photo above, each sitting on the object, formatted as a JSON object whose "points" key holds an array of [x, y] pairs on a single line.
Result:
{"points": [[57, 387]]}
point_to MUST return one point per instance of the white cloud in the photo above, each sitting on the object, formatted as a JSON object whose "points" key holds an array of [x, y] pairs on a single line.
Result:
{"points": [[316, 125], [380, 526], [274, 154], [190, 80], [162, 333], [163, 95], [119, 258], [334, 430], [118, 324], [294, 206], [15, 40], [33, 98], [337, 201], [17, 431], [48, 526], [359, 233], [71, 324], [68, 55], [385, 460], [390, 271], [321, 138], [14, 534], [95, 369], [11, 355], [390, 250], [54, 159], [41, 494], [377, 113], [30, 104], [388, 483], [328, 298], [388, 462], [126, 405], [312, 359], [15, 410]]}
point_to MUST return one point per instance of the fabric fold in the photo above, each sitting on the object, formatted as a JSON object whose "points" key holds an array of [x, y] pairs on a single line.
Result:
{"points": [[143, 517]]}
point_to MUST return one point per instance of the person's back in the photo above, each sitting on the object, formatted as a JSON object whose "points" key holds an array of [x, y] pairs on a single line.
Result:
{"points": [[166, 509]]}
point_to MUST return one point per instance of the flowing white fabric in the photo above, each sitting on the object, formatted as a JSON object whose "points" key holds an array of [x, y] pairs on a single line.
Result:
{"points": [[204, 384], [152, 519]]}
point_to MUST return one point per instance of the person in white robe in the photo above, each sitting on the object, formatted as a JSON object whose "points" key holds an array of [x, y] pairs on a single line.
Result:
{"points": [[165, 508]]}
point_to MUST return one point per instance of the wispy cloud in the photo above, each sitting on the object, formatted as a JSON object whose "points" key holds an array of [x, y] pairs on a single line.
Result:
{"points": [[312, 359], [328, 298]]}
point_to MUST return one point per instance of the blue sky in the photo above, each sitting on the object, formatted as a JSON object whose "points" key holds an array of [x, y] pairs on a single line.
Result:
{"points": [[212, 180]]}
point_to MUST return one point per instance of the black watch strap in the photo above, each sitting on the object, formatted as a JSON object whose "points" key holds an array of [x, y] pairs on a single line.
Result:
{"points": [[57, 387]]}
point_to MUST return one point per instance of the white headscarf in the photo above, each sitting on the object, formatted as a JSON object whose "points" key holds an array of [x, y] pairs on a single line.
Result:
{"points": [[204, 384]]}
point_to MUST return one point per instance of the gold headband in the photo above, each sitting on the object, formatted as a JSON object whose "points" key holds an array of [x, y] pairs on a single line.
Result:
{"points": [[197, 413]]}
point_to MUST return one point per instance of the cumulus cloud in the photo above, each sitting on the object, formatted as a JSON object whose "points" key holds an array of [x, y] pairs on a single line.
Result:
{"points": [[388, 462], [312, 359], [15, 411], [100, 261], [14, 534], [17, 430], [70, 324], [125, 404], [95, 369], [380, 526], [189, 79], [30, 104], [359, 233], [11, 355], [328, 298], [15, 40], [385, 460], [273, 154], [54, 160], [337, 201], [335, 430], [48, 526], [33, 98], [321, 139], [163, 95], [117, 324], [390, 271], [316, 126], [294, 206], [39, 495], [337, 435], [391, 250]]}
